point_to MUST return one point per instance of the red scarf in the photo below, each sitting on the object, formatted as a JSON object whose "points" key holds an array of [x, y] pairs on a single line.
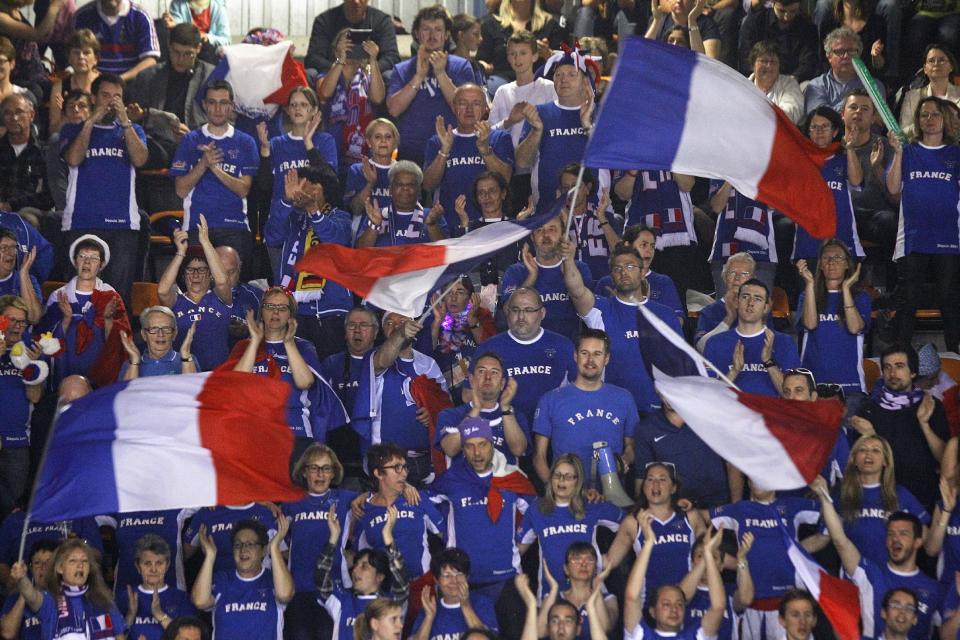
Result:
{"points": [[514, 481], [273, 370], [427, 393], [106, 367]]}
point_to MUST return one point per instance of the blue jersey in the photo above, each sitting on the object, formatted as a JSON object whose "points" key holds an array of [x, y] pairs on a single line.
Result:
{"points": [[450, 623], [401, 227], [30, 624], [105, 171], [658, 203], [699, 604], [662, 290], [875, 580], [704, 472], [592, 246], [643, 631], [72, 615], [574, 419], [17, 409], [448, 420], [344, 606], [28, 237], [130, 527], [418, 122], [413, 524], [12, 528], [561, 316], [670, 560], [245, 298], [343, 371], [626, 368], [754, 377], [764, 520], [461, 166], [869, 531], [830, 351], [538, 365], [491, 545], [71, 360], [246, 607], [220, 521], [10, 286], [929, 201], [211, 341], [124, 41], [355, 182], [173, 601], [220, 206], [288, 152], [950, 555], [743, 224], [309, 534], [834, 171], [562, 141], [557, 530]]}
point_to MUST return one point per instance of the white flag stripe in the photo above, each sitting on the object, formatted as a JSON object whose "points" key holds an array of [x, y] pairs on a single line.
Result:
{"points": [[674, 338], [808, 573], [712, 410]]}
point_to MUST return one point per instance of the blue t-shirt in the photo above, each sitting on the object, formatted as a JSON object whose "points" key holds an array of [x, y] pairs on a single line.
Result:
{"points": [[169, 364], [309, 534], [869, 531], [74, 616], [211, 197], [130, 527], [929, 218], [10, 286], [875, 580], [124, 41], [462, 165], [211, 340], [834, 171], [699, 604], [417, 123], [626, 368], [28, 237], [448, 419], [344, 605], [246, 607], [173, 601], [670, 560], [754, 377], [643, 631], [401, 227], [413, 524], [538, 365], [343, 371], [768, 551], [220, 521], [562, 141], [574, 419], [662, 290], [744, 224], [17, 409], [450, 622], [830, 351], [355, 182], [557, 530], [561, 316], [100, 191], [29, 625]]}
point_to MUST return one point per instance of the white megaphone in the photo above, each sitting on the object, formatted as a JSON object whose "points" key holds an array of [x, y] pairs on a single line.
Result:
{"points": [[606, 465]]}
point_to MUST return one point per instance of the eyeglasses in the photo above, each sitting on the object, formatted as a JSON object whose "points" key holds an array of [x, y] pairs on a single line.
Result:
{"points": [[519, 311], [8, 249], [899, 606], [244, 546], [88, 258], [160, 330], [397, 468], [17, 113], [363, 326], [450, 575], [200, 271], [326, 469], [270, 306], [849, 51], [16, 322], [833, 259], [565, 477], [821, 127], [621, 268], [740, 274]]}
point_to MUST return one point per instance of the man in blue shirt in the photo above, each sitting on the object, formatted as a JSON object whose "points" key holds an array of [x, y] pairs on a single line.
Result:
{"points": [[158, 328], [721, 315], [572, 418], [213, 168], [128, 38], [753, 355]]}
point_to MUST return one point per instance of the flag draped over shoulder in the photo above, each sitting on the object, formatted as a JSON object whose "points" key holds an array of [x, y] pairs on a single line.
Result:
{"points": [[673, 109], [168, 442]]}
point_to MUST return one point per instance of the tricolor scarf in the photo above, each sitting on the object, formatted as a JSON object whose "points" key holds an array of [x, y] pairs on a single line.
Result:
{"points": [[78, 617], [505, 477], [752, 226], [895, 400]]}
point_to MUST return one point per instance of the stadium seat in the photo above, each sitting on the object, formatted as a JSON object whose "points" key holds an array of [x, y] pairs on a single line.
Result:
{"points": [[144, 295], [781, 304], [871, 372], [49, 287]]}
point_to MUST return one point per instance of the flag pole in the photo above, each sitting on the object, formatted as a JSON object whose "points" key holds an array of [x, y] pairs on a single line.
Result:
{"points": [[438, 300], [573, 204], [36, 480]]}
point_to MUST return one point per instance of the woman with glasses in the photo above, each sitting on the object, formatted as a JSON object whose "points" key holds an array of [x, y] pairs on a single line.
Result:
{"points": [[318, 471], [274, 350], [939, 65], [834, 318], [158, 328], [842, 173], [675, 529], [83, 54], [196, 304], [249, 601], [869, 493], [562, 517], [925, 176]]}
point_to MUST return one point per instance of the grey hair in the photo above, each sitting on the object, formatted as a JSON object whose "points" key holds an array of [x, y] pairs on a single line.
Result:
{"points": [[406, 166], [841, 33], [153, 543], [744, 256], [374, 319], [159, 308]]}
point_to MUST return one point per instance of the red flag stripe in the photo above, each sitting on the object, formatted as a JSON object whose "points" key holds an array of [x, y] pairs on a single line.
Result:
{"points": [[840, 601], [251, 460], [359, 269]]}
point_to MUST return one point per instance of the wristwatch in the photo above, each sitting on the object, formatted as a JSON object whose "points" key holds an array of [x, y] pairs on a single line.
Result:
{"points": [[187, 359], [770, 363]]}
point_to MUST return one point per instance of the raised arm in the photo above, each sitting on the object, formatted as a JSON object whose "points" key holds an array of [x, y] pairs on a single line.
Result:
{"points": [[31, 595], [221, 284], [632, 606], [713, 617], [745, 590], [249, 357], [390, 350], [582, 298], [167, 287], [202, 593], [848, 552], [941, 517], [522, 583], [303, 377], [894, 177]]}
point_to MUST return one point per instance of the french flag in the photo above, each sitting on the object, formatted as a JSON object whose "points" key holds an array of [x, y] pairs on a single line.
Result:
{"points": [[673, 109], [168, 442], [780, 444], [261, 76], [399, 278], [839, 599]]}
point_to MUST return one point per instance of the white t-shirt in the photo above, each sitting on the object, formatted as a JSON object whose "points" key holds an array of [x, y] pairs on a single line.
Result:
{"points": [[540, 91]]}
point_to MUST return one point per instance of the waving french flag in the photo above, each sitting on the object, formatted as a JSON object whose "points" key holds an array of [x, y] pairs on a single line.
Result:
{"points": [[261, 76], [168, 442], [673, 109], [399, 278]]}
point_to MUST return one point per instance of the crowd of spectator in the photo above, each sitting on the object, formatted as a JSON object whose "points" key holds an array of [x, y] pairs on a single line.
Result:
{"points": [[124, 162]]}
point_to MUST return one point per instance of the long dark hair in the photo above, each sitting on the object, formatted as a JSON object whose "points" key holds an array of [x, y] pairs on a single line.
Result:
{"points": [[643, 503], [820, 282]]}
